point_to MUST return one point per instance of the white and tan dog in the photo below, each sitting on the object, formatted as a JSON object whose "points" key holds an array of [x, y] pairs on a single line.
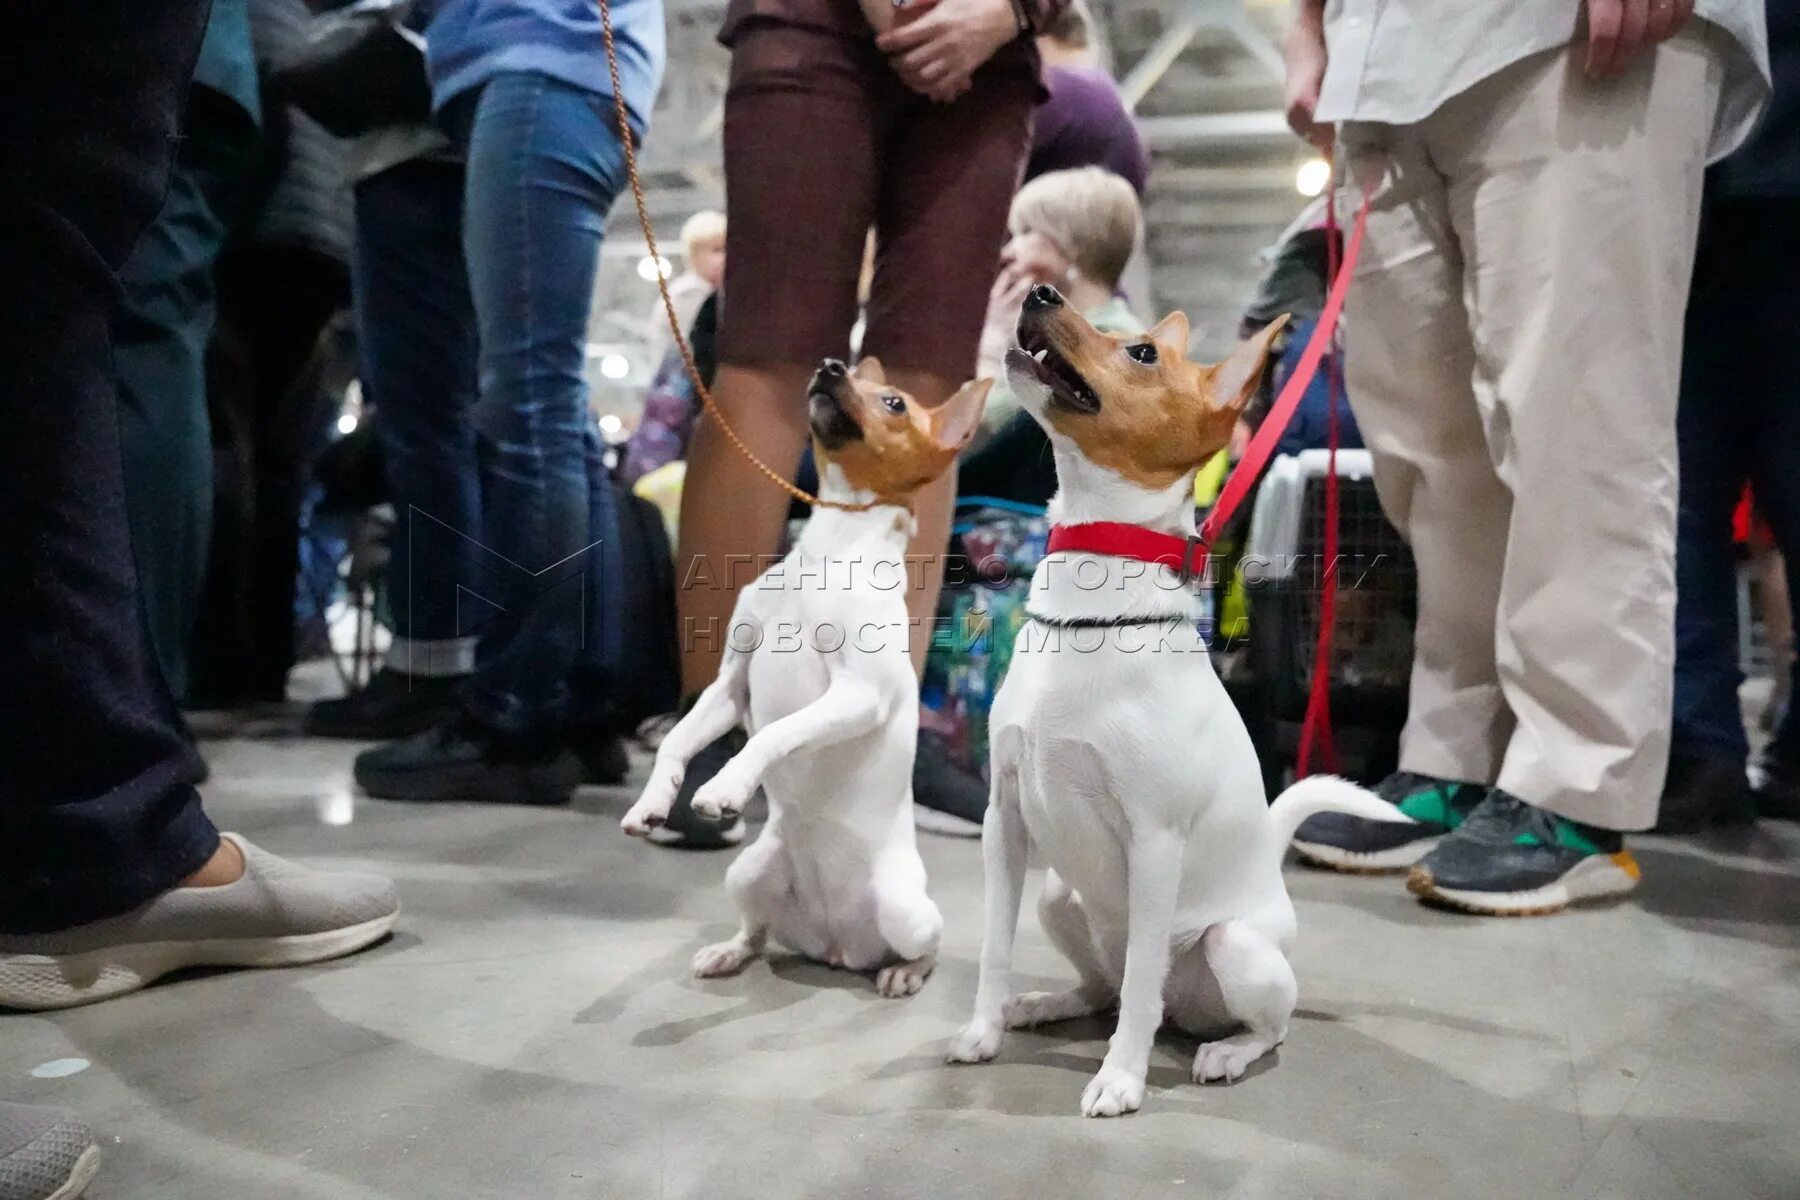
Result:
{"points": [[816, 670], [1117, 754]]}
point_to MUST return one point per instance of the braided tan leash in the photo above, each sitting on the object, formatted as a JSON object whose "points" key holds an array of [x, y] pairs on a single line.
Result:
{"points": [[662, 284]]}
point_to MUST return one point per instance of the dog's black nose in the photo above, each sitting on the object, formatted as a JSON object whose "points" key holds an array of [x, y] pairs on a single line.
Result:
{"points": [[1043, 296], [832, 368]]}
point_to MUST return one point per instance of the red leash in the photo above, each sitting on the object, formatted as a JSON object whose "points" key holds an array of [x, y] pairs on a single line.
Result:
{"points": [[1281, 413], [1315, 728]]}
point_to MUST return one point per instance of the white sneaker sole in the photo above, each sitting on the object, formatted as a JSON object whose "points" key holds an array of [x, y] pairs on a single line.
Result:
{"points": [[1593, 878], [931, 820], [1371, 862], [86, 1167], [41, 982]]}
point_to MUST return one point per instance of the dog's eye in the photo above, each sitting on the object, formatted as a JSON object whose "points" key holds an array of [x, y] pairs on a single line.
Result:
{"points": [[894, 403], [1143, 352]]}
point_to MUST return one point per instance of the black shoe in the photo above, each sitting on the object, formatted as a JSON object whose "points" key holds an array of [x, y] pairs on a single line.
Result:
{"points": [[686, 829], [1346, 843], [463, 760], [946, 798], [1779, 796], [1703, 790], [392, 704], [603, 758], [1510, 859]]}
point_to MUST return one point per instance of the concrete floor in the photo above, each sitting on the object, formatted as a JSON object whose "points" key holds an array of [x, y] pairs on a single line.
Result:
{"points": [[531, 1031]]}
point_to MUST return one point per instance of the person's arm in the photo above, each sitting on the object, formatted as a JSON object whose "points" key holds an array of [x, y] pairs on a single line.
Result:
{"points": [[1304, 51]]}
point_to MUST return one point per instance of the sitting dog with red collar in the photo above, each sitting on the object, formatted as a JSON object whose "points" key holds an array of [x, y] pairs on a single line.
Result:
{"points": [[1116, 752]]}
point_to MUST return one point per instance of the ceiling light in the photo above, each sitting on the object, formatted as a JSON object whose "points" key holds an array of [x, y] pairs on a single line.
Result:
{"points": [[1312, 177]]}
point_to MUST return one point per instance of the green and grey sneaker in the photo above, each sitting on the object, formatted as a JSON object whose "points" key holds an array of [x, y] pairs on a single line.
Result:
{"points": [[1510, 859], [1346, 843]]}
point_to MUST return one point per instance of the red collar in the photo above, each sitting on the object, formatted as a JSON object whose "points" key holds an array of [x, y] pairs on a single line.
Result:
{"points": [[1185, 555]]}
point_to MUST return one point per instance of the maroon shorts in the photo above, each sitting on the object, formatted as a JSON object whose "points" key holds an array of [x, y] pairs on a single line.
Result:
{"points": [[822, 141]]}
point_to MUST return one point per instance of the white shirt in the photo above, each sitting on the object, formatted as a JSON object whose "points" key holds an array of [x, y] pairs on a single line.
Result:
{"points": [[689, 292], [1395, 61]]}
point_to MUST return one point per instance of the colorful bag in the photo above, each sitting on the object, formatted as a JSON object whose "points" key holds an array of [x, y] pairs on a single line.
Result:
{"points": [[995, 545]]}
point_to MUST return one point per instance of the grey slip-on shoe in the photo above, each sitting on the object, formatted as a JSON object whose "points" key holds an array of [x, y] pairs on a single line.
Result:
{"points": [[45, 1153], [277, 914]]}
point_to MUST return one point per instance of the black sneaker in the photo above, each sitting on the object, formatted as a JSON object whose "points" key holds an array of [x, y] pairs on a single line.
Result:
{"points": [[1704, 790], [463, 760], [1342, 842], [1778, 796], [946, 798], [1509, 859], [604, 762], [392, 704], [686, 829]]}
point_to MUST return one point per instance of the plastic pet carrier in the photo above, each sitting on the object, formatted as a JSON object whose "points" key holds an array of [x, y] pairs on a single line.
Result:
{"points": [[1284, 571]]}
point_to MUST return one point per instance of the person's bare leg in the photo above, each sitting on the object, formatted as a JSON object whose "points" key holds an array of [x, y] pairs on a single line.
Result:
{"points": [[933, 507], [226, 866], [731, 514]]}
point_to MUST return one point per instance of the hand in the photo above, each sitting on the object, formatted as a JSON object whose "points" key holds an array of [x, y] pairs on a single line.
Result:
{"points": [[938, 52], [1007, 296], [1618, 30], [1304, 50], [880, 14]]}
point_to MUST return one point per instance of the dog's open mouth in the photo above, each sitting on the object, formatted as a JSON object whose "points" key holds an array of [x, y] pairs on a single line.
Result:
{"points": [[1039, 360], [830, 423]]}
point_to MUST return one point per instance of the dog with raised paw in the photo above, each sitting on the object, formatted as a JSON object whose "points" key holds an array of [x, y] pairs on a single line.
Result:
{"points": [[1116, 754], [816, 670]]}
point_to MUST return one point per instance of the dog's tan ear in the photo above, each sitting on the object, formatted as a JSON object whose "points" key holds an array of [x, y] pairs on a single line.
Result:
{"points": [[1233, 380], [954, 422], [1171, 334], [869, 371]]}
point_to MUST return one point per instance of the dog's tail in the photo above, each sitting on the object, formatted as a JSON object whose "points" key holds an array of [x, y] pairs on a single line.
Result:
{"points": [[1326, 793]]}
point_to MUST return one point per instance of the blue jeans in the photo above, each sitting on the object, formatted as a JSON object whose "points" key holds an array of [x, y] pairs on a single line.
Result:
{"points": [[1739, 421], [545, 163], [415, 325]]}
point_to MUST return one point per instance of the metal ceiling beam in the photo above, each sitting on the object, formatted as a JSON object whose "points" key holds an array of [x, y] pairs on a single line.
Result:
{"points": [[1157, 60], [1256, 43], [1256, 125]]}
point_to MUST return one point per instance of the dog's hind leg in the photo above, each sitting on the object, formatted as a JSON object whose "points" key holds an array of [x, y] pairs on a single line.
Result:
{"points": [[756, 881], [911, 925], [1258, 989], [1066, 923]]}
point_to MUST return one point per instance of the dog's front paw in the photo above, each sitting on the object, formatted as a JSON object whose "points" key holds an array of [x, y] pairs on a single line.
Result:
{"points": [[1044, 1008], [978, 1042], [723, 796], [1112, 1093], [904, 978], [652, 808]]}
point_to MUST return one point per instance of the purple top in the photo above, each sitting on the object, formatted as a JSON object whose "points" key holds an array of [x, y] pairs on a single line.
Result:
{"points": [[1084, 123]]}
